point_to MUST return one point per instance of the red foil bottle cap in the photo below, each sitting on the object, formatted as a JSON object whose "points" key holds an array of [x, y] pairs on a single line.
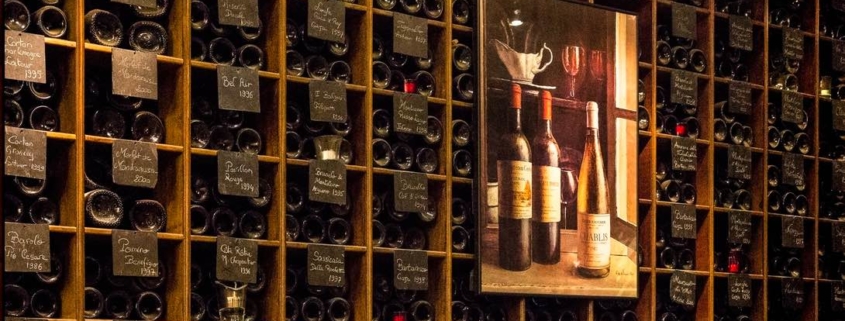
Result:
{"points": [[546, 102], [681, 129], [517, 96], [410, 86], [399, 316]]}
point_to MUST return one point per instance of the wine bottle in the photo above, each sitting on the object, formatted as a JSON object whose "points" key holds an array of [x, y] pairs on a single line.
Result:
{"points": [[103, 28], [394, 236], [93, 303], [43, 211], [252, 225], [339, 231], [103, 208], [148, 215], [382, 75], [250, 56], [198, 308], [118, 305], [379, 233], [250, 33], [147, 36], [426, 160], [460, 238], [224, 222], [546, 179], [149, 305], [51, 21], [312, 309], [514, 173], [313, 228], [338, 309], [403, 156], [593, 211], [222, 51], [13, 208], [414, 239]]}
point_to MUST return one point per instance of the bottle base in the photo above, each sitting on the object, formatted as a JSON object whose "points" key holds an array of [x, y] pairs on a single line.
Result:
{"points": [[593, 273]]}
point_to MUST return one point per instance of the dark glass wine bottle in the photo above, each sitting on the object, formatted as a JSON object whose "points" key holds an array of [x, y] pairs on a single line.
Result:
{"points": [[546, 179], [93, 303], [514, 173]]}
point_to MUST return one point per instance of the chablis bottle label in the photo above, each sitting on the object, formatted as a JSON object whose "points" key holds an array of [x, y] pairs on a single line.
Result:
{"points": [[547, 196], [514, 189], [594, 233]]}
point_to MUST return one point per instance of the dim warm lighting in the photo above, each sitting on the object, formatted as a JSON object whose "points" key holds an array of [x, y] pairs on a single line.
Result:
{"points": [[514, 20]]}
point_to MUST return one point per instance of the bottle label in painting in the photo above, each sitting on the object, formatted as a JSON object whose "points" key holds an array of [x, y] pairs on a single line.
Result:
{"points": [[594, 234], [547, 196], [514, 189]]}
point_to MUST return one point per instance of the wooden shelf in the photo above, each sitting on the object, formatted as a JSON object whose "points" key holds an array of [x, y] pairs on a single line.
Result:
{"points": [[54, 42], [431, 23], [305, 163], [110, 141], [389, 93], [388, 171], [213, 153], [213, 66], [162, 59], [347, 248], [108, 232], [388, 250], [213, 239], [304, 80]]}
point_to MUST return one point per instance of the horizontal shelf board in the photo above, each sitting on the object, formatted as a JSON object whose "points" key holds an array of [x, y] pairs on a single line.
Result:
{"points": [[462, 104], [388, 171], [55, 42], [348, 5], [387, 13], [825, 160], [213, 239], [728, 210], [830, 220], [305, 162], [305, 80], [780, 215], [722, 15], [723, 145], [61, 136], [698, 141], [390, 250], [213, 66], [160, 58], [461, 28], [61, 229], [347, 248], [668, 3], [803, 94], [772, 277], [644, 65], [780, 153], [806, 34], [644, 133], [160, 235], [645, 269], [644, 201], [670, 271], [386, 92], [665, 69], [723, 80], [463, 256], [826, 99], [106, 140], [462, 180], [829, 280], [726, 274], [698, 207], [213, 153]]}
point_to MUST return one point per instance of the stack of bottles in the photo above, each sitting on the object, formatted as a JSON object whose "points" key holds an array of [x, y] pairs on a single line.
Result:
{"points": [[431, 9], [119, 117], [787, 136], [831, 264], [314, 303], [220, 129], [467, 305], [740, 8], [26, 200], [134, 27], [785, 199], [725, 313], [787, 13], [729, 192], [31, 105], [785, 261], [315, 58], [668, 310], [315, 222], [213, 213], [731, 128], [34, 294], [463, 231], [395, 229], [464, 82], [675, 118], [391, 304], [832, 202], [41, 17], [679, 53], [643, 116], [301, 130], [731, 63], [732, 258], [674, 252], [782, 72], [108, 296], [399, 72], [462, 138], [674, 186], [409, 152], [614, 310], [461, 11], [204, 302], [222, 44]]}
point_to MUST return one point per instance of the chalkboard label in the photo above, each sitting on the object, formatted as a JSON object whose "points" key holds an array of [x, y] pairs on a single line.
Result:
{"points": [[25, 58], [837, 296], [742, 33], [838, 56], [140, 3], [410, 191], [792, 169], [134, 163], [134, 74], [237, 89], [739, 227], [739, 98], [682, 288], [684, 221], [134, 253], [740, 291], [411, 113], [410, 270], [238, 13], [237, 259], [684, 154], [328, 99], [793, 43], [837, 230], [326, 265], [839, 115], [839, 176], [23, 319], [684, 88], [327, 181], [237, 173], [410, 35], [327, 20], [792, 107], [739, 162], [683, 21], [27, 247], [792, 232], [792, 292], [26, 153]]}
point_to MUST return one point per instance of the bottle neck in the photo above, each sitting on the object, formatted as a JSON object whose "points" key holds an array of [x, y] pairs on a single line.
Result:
{"points": [[515, 122]]}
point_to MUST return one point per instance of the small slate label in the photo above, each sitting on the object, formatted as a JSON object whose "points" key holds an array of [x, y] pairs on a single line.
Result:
{"points": [[739, 162], [134, 253], [140, 3], [684, 88], [326, 265], [410, 192], [792, 232], [742, 33], [237, 259], [238, 13], [739, 227], [839, 115], [411, 113], [740, 291], [27, 247], [793, 43], [837, 231], [839, 176], [134, 163], [684, 221], [328, 99], [682, 288], [792, 107], [792, 169], [684, 154], [838, 55], [26, 153], [792, 293], [739, 98], [237, 89], [134, 74], [410, 270], [327, 181], [837, 296], [25, 57], [327, 20], [683, 21], [237, 173], [410, 35]]}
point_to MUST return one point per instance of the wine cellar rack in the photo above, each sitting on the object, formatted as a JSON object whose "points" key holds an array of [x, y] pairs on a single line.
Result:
{"points": [[72, 58]]}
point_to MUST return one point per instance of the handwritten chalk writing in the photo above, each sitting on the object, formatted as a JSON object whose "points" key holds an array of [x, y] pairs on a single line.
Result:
{"points": [[25, 58], [25, 153], [134, 74]]}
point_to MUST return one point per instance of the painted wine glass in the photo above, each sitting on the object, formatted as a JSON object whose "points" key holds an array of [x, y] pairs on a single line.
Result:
{"points": [[573, 59]]}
